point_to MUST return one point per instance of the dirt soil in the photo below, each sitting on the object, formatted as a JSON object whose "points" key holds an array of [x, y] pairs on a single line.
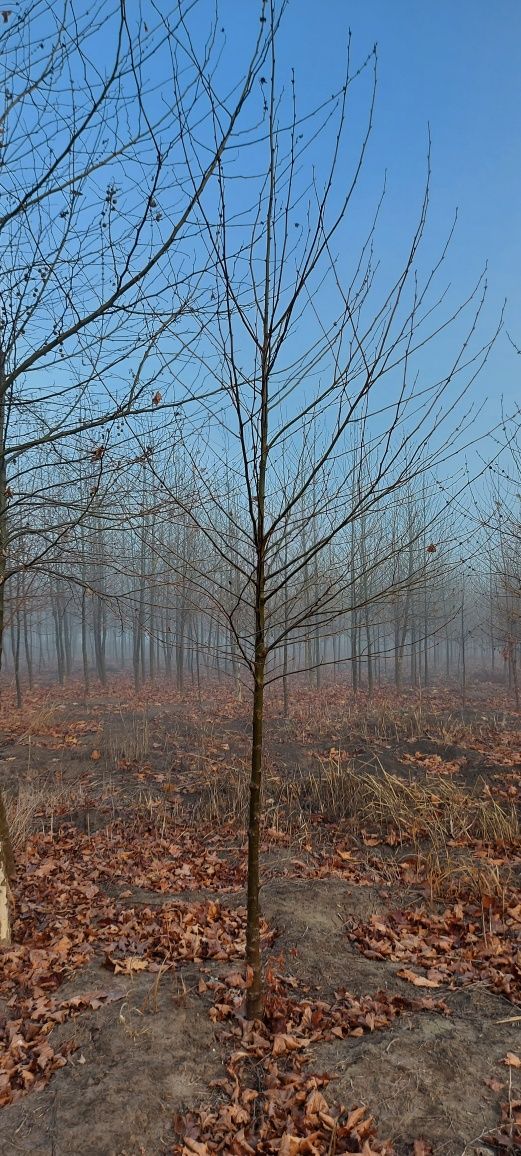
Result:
{"points": [[137, 1061], [116, 787]]}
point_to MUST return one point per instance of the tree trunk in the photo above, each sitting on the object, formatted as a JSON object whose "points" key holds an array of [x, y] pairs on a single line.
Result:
{"points": [[84, 647], [28, 646], [180, 647], [16, 632], [67, 643], [3, 504], [354, 652], [514, 674], [136, 650], [254, 1001], [6, 871], [100, 635], [58, 638], [463, 657]]}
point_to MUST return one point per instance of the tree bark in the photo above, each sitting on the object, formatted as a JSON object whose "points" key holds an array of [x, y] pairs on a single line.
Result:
{"points": [[6, 872], [254, 1000]]}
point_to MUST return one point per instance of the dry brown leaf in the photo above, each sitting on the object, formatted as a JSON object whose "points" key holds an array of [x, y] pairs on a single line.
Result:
{"points": [[316, 1103], [354, 1118], [283, 1042], [496, 1085], [194, 1146], [289, 1145], [295, 1146], [127, 966], [417, 980], [511, 1060], [235, 979]]}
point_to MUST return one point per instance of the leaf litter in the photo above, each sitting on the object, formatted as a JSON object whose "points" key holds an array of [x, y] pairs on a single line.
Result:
{"points": [[75, 903]]}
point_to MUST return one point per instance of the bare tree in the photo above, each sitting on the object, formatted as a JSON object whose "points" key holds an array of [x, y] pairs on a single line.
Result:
{"points": [[320, 416], [111, 133]]}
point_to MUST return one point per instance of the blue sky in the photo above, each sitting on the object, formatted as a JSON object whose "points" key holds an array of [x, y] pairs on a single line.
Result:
{"points": [[454, 65]]}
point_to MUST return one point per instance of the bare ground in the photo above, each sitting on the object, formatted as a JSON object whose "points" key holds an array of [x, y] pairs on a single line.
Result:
{"points": [[152, 1053]]}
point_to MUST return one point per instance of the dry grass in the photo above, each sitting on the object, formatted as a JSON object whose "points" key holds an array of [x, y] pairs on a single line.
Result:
{"points": [[223, 799], [156, 811], [126, 739], [410, 724], [368, 799], [453, 873], [440, 821], [38, 720], [34, 806], [400, 718], [375, 800]]}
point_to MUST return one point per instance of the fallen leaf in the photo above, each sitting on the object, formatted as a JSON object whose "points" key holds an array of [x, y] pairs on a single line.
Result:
{"points": [[355, 1118], [496, 1085], [417, 980], [283, 1042], [195, 1146], [316, 1103], [127, 966]]}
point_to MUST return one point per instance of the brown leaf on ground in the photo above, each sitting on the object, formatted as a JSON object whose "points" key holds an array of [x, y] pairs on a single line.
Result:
{"points": [[417, 980]]}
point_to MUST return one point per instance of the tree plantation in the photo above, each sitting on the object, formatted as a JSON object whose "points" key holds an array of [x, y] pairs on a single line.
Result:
{"points": [[146, 594], [260, 597]]}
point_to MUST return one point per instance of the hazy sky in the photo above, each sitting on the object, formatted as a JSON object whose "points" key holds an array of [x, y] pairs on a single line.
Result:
{"points": [[456, 65]]}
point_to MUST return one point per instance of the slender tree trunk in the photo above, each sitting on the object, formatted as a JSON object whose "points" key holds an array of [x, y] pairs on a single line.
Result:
{"points": [[254, 992], [354, 651], [254, 1002], [397, 661], [84, 642], [168, 649], [151, 650], [100, 639], [463, 656], [285, 687], [28, 644], [336, 648], [6, 872], [197, 656], [136, 650], [180, 647], [16, 634], [3, 504], [58, 636], [514, 674], [67, 643]]}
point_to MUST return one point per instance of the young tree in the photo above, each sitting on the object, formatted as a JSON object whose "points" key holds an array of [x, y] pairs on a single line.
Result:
{"points": [[309, 405], [320, 416], [503, 525]]}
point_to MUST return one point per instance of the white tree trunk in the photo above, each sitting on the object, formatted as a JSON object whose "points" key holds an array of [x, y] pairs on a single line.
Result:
{"points": [[6, 870], [5, 922]]}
